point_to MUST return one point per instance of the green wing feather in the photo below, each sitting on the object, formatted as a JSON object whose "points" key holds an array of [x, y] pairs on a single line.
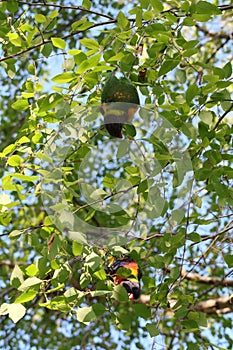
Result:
{"points": [[122, 91], [119, 90]]}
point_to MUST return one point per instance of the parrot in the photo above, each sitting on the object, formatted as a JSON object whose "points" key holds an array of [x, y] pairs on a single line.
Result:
{"points": [[131, 281], [122, 91]]}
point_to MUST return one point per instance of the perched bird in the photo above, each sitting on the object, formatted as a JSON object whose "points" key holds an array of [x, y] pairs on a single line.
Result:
{"points": [[120, 101], [126, 272]]}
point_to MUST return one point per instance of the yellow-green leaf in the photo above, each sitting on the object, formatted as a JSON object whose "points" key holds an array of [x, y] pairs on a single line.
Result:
{"points": [[58, 42], [40, 18], [14, 160], [63, 78], [26, 296], [20, 105]]}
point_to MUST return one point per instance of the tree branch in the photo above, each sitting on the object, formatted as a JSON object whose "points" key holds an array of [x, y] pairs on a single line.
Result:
{"points": [[223, 116], [218, 306], [225, 7], [206, 280], [68, 7], [12, 264], [104, 199], [49, 41], [213, 34]]}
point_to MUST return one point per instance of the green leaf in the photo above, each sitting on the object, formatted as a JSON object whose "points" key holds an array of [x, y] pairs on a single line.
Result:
{"points": [[98, 309], [152, 329], [178, 215], [77, 248], [168, 65], [54, 14], [16, 312], [88, 64], [15, 39], [63, 78], [127, 61], [122, 149], [93, 261], [157, 5], [40, 18], [16, 277], [12, 6], [14, 234], [59, 287], [8, 149], [228, 70], [204, 7], [81, 24], [100, 274], [181, 75], [89, 43], [141, 310], [79, 57], [14, 160], [25, 178], [206, 117], [122, 21], [229, 260], [143, 186], [138, 12], [58, 42], [26, 296], [86, 315], [120, 294], [124, 272], [87, 4], [130, 130], [32, 270], [47, 49], [20, 105], [191, 92], [29, 282], [109, 181], [156, 261], [22, 140]]}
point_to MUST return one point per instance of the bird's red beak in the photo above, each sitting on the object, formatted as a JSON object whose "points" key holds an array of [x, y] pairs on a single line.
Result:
{"points": [[131, 297]]}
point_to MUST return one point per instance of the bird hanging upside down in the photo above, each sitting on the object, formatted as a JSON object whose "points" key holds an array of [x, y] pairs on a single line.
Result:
{"points": [[120, 101], [126, 273]]}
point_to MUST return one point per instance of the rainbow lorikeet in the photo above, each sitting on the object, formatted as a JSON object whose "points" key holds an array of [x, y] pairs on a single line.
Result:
{"points": [[126, 272], [122, 91]]}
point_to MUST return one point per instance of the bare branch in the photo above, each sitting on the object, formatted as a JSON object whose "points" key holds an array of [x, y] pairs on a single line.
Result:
{"points": [[225, 7], [207, 280], [12, 264], [213, 34], [218, 306], [5, 292]]}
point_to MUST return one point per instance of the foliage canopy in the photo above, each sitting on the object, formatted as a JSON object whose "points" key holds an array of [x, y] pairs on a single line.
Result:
{"points": [[70, 194]]}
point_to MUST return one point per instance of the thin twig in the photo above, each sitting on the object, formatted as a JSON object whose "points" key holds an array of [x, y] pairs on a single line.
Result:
{"points": [[104, 199], [49, 41], [223, 116], [225, 7], [66, 7]]}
